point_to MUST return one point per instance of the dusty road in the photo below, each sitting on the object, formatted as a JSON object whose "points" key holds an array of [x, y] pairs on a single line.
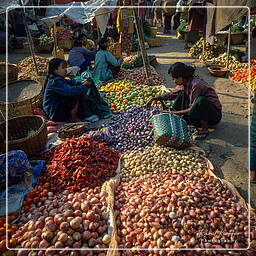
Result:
{"points": [[227, 146]]}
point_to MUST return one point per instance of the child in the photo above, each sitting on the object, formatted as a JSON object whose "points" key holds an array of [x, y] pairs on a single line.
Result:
{"points": [[67, 99]]}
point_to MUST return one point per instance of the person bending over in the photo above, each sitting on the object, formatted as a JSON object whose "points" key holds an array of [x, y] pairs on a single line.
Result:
{"points": [[196, 100]]}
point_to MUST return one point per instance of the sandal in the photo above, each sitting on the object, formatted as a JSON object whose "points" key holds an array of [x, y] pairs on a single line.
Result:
{"points": [[201, 135]]}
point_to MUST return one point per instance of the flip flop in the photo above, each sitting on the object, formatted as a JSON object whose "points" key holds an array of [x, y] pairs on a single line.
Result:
{"points": [[201, 135]]}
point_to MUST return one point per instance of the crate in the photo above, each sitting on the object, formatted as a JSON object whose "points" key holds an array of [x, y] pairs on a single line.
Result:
{"points": [[154, 42], [115, 49]]}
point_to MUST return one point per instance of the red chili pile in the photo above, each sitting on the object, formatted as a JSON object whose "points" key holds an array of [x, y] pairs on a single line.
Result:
{"points": [[80, 162]]}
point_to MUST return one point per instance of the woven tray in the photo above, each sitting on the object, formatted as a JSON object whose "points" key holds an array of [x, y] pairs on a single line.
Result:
{"points": [[23, 107], [19, 138], [70, 130]]}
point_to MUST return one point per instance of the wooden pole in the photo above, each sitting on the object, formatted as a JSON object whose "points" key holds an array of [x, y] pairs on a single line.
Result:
{"points": [[55, 40], [31, 44], [228, 49], [144, 55]]}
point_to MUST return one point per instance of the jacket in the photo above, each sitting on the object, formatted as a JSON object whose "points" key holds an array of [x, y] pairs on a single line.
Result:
{"points": [[60, 97]]}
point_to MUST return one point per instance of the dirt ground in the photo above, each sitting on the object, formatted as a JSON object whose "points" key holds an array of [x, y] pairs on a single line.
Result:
{"points": [[227, 145]]}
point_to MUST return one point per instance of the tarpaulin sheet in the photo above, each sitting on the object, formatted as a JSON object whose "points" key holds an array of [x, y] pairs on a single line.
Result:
{"points": [[223, 17], [6, 3], [83, 12]]}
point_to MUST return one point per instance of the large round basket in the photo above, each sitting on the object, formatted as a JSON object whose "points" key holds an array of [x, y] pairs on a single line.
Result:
{"points": [[27, 133], [65, 44], [44, 48], [12, 73], [22, 107]]}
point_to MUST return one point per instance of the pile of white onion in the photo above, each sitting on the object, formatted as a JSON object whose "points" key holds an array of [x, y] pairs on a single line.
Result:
{"points": [[66, 220]]}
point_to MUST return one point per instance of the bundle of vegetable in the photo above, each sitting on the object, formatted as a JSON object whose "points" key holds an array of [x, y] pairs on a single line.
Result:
{"points": [[242, 76], [80, 162], [7, 230], [137, 163], [233, 63], [43, 40], [182, 26], [211, 51], [132, 129], [170, 210], [122, 95], [65, 220], [27, 68], [139, 75], [237, 29]]}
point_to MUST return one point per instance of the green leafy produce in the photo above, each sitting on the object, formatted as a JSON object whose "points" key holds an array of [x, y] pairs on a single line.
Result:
{"points": [[237, 29], [182, 26], [44, 40], [146, 28]]}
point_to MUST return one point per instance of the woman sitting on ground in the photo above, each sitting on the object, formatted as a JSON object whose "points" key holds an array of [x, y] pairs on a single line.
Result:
{"points": [[194, 98], [105, 62], [81, 57], [71, 100]]}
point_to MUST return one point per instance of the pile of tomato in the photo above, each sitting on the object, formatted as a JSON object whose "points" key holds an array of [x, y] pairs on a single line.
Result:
{"points": [[6, 232], [243, 76]]}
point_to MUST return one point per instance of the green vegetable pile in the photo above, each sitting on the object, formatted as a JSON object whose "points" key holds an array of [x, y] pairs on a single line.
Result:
{"points": [[237, 29], [182, 26]]}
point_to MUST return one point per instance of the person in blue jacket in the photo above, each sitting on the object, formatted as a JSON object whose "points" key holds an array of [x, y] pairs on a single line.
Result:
{"points": [[104, 63], [80, 56], [62, 95]]}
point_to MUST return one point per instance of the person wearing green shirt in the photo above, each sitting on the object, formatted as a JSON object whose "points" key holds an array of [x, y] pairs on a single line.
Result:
{"points": [[104, 63]]}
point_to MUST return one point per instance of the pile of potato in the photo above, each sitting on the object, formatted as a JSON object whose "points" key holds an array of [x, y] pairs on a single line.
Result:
{"points": [[137, 163]]}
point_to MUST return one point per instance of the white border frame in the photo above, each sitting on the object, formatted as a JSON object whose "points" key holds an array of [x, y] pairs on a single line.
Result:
{"points": [[134, 249]]}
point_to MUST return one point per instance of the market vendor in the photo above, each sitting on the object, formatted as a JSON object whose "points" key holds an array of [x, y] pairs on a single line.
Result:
{"points": [[105, 63], [194, 98], [125, 26], [81, 57], [71, 100], [86, 42]]}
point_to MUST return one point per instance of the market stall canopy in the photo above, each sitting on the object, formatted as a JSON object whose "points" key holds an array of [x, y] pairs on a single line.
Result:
{"points": [[220, 18], [82, 12], [7, 3]]}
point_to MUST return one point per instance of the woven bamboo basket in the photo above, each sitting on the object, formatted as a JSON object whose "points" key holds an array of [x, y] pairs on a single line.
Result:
{"points": [[24, 107], [65, 44], [12, 73], [154, 42], [153, 31], [44, 48], [115, 49], [18, 138], [59, 53]]}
